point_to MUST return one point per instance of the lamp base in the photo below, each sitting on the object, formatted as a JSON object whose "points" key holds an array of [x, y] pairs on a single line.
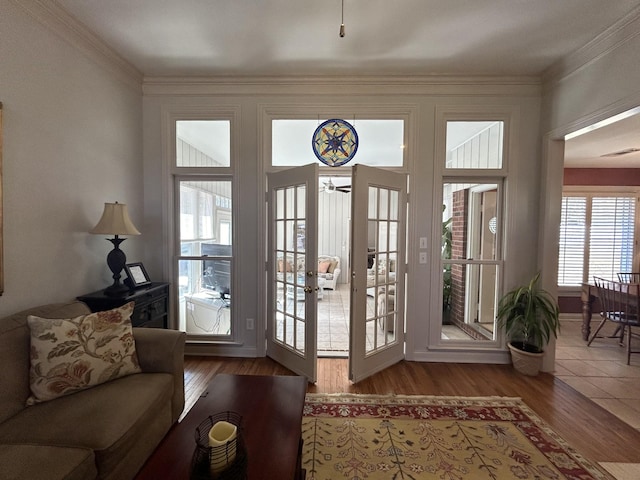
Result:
{"points": [[116, 261]]}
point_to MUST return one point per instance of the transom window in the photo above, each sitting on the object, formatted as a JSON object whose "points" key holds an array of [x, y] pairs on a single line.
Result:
{"points": [[381, 142]]}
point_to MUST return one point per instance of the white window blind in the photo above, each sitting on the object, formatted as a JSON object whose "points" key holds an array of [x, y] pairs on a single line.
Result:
{"points": [[572, 241], [611, 238], [597, 238]]}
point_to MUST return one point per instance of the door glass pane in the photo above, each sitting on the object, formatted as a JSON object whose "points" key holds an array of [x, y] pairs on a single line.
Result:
{"points": [[384, 204], [301, 199], [393, 205], [290, 243], [381, 321], [203, 143], [373, 202], [205, 263], [381, 142], [280, 204], [473, 144], [471, 254]]}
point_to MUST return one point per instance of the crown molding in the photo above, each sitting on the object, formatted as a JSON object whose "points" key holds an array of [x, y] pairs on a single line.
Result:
{"points": [[621, 32], [355, 85], [50, 14]]}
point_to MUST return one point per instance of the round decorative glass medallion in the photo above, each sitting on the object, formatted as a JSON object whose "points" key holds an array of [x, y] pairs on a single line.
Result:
{"points": [[335, 142]]}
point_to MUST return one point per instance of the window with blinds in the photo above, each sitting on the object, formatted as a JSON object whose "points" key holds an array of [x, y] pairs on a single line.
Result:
{"points": [[597, 237]]}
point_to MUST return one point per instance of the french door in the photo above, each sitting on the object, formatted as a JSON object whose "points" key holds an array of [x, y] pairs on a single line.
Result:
{"points": [[378, 239], [378, 226], [292, 286]]}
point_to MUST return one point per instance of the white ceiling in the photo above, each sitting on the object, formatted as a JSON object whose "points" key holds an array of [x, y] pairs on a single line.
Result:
{"points": [[591, 150], [300, 37]]}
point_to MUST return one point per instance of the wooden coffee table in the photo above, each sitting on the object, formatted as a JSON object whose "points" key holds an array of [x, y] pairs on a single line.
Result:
{"points": [[271, 409]]}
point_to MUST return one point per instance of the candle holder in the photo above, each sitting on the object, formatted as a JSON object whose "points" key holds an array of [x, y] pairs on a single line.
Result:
{"points": [[225, 461]]}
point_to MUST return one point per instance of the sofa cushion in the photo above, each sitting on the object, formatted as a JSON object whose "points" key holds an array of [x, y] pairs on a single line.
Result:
{"points": [[44, 462], [14, 352], [134, 415], [323, 266], [68, 355], [282, 265]]}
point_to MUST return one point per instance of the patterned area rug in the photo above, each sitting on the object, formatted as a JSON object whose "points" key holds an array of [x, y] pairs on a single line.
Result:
{"points": [[423, 437]]}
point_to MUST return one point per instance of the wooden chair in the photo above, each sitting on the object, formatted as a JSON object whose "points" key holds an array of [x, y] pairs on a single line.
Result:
{"points": [[620, 305], [629, 277]]}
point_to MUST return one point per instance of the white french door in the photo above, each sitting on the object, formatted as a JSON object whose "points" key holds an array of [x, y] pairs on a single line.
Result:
{"points": [[378, 233], [292, 286]]}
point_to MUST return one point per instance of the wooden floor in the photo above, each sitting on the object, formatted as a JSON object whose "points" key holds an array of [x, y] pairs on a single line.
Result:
{"points": [[591, 430]]}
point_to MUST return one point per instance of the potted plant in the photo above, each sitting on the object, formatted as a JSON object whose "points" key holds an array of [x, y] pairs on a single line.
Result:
{"points": [[530, 315]]}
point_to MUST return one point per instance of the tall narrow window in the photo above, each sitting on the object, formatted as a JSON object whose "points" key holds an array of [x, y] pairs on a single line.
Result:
{"points": [[472, 201], [203, 186]]}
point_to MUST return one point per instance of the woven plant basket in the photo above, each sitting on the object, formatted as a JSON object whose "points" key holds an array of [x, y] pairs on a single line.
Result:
{"points": [[525, 362]]}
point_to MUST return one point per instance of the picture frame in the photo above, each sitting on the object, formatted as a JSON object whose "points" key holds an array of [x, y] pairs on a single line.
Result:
{"points": [[137, 274]]}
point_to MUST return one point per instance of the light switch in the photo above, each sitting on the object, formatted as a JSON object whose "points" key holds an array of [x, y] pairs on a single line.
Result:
{"points": [[423, 257], [423, 242]]}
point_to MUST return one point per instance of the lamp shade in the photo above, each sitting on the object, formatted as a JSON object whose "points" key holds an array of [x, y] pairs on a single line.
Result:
{"points": [[115, 221]]}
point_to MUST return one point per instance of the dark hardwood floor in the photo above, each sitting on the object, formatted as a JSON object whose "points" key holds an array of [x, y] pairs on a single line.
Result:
{"points": [[590, 429]]}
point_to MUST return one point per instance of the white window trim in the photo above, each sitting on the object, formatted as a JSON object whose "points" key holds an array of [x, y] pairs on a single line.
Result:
{"points": [[171, 173]]}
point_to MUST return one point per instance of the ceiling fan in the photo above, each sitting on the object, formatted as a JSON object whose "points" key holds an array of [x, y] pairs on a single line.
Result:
{"points": [[330, 187]]}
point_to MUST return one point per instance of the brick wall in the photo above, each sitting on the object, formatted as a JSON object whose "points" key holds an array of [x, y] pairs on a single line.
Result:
{"points": [[458, 250]]}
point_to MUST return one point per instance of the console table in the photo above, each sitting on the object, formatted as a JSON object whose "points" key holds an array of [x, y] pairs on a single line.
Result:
{"points": [[151, 304]]}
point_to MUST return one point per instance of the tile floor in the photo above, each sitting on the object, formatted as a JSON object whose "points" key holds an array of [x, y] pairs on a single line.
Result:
{"points": [[600, 373], [333, 322]]}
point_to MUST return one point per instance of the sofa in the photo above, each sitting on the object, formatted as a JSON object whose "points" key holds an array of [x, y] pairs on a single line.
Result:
{"points": [[106, 431], [328, 269], [381, 276]]}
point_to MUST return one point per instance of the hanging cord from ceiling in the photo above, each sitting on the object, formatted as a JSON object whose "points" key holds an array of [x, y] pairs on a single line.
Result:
{"points": [[342, 22]]}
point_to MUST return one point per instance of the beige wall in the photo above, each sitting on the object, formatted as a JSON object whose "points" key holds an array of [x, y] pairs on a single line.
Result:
{"points": [[72, 141]]}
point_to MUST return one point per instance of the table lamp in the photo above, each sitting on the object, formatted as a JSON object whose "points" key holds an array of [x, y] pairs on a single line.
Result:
{"points": [[115, 221]]}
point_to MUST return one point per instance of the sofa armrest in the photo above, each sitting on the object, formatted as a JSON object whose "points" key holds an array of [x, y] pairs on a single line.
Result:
{"points": [[162, 351]]}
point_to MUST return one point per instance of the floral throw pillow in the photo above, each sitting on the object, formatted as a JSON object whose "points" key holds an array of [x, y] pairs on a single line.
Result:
{"points": [[68, 355]]}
